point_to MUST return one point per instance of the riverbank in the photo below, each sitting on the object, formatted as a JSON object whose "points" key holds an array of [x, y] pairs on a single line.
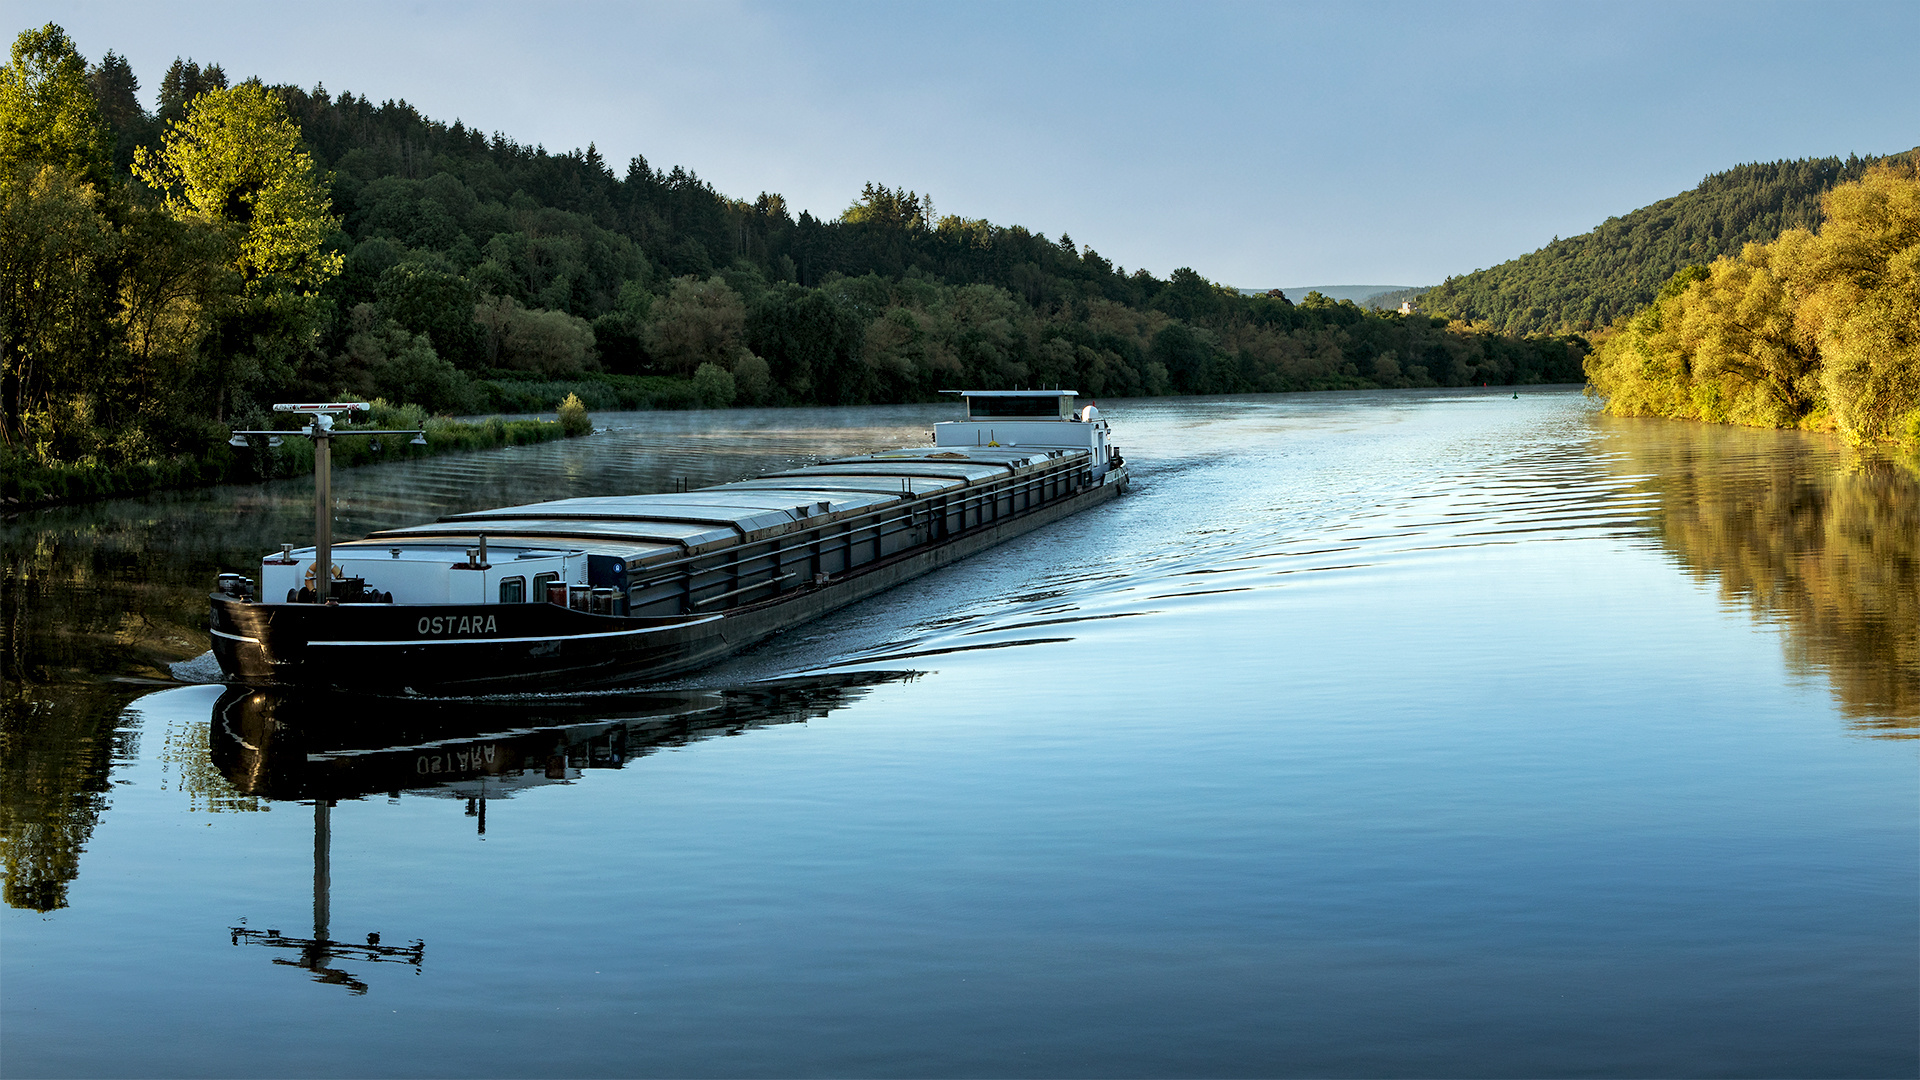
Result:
{"points": [[27, 484], [524, 392]]}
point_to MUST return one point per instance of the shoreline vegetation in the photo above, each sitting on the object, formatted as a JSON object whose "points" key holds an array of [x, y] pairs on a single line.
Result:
{"points": [[31, 485], [167, 274], [1818, 331]]}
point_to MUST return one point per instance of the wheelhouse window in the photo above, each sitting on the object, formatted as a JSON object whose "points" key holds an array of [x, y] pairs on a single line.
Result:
{"points": [[1049, 407], [513, 590], [540, 583]]}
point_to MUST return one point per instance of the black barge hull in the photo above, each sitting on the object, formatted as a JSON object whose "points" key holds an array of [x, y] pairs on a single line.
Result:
{"points": [[472, 649]]}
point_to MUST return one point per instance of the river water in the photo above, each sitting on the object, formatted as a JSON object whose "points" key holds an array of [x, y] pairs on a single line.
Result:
{"points": [[1394, 734]]}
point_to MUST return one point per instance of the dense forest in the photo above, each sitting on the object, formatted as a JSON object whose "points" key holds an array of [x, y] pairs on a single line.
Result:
{"points": [[1813, 329], [167, 272], [1587, 282]]}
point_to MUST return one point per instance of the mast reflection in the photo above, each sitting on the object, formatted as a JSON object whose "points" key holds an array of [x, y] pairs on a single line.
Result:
{"points": [[317, 952], [323, 748]]}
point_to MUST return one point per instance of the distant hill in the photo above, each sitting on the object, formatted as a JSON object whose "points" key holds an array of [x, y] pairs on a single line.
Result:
{"points": [[1588, 281], [1359, 294], [1392, 299]]}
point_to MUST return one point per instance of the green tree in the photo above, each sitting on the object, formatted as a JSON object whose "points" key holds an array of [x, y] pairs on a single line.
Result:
{"points": [[1787, 327], [415, 374], [176, 282], [237, 163], [118, 93], [237, 160], [713, 386], [752, 378], [573, 416], [1184, 355], [698, 322], [54, 242], [890, 208], [437, 303], [1603, 276], [117, 90], [553, 343], [1864, 307], [48, 115], [621, 334], [1740, 327], [183, 82]]}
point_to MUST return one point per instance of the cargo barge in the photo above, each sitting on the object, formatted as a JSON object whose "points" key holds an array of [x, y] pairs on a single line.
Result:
{"points": [[603, 591]]}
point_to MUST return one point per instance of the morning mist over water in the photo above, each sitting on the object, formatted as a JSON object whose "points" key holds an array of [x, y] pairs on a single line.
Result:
{"points": [[1406, 733]]}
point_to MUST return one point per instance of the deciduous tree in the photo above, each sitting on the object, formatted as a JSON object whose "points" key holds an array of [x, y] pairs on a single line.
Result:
{"points": [[237, 160], [698, 322], [48, 115]]}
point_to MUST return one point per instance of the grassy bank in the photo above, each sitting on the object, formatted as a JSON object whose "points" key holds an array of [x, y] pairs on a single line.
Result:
{"points": [[25, 483]]}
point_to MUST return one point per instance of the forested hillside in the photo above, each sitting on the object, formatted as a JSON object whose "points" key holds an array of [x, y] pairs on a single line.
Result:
{"points": [[888, 302], [1587, 282], [169, 271]]}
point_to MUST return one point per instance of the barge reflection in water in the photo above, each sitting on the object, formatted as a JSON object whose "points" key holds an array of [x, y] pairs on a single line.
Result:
{"points": [[317, 953], [303, 746], [322, 748]]}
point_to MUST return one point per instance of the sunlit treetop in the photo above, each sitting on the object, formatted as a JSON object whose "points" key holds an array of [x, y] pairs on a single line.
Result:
{"points": [[237, 160], [891, 208], [48, 115]]}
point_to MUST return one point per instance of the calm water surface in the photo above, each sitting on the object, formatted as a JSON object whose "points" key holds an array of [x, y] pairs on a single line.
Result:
{"points": [[1392, 734]]}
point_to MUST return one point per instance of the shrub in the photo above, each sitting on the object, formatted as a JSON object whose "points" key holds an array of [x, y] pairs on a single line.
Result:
{"points": [[573, 417], [713, 385]]}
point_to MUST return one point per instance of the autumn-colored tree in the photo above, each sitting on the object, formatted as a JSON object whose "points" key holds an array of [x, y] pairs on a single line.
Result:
{"points": [[1805, 329], [1864, 306]]}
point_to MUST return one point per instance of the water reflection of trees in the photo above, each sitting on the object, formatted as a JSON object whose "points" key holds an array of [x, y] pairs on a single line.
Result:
{"points": [[1799, 530], [94, 600], [57, 746]]}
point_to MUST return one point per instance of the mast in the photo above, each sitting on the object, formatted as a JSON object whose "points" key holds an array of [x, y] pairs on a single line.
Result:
{"points": [[322, 514], [320, 430]]}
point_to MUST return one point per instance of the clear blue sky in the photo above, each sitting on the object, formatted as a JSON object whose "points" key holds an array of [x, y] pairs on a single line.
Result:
{"points": [[1262, 144]]}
